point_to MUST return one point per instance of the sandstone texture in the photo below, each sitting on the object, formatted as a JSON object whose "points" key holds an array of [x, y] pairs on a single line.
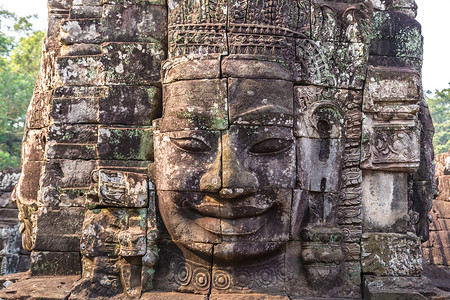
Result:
{"points": [[437, 248], [227, 149], [13, 258]]}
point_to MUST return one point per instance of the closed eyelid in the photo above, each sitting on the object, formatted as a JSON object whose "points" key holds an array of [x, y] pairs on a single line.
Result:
{"points": [[190, 144], [270, 146]]}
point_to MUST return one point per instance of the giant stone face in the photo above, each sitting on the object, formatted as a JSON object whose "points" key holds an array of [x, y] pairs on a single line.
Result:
{"points": [[226, 163]]}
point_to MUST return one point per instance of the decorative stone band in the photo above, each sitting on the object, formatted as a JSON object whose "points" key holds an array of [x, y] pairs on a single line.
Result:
{"points": [[234, 27], [264, 277], [391, 94]]}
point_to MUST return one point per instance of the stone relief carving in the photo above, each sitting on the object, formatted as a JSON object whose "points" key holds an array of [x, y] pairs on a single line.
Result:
{"points": [[225, 149]]}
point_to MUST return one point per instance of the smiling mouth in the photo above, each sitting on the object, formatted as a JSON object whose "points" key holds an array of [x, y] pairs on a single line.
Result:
{"points": [[236, 219]]}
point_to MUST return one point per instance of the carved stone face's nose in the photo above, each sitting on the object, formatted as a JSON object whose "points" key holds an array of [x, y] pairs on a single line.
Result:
{"points": [[236, 180], [227, 175], [211, 181]]}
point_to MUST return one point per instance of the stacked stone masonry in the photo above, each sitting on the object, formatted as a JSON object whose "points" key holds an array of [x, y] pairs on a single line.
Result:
{"points": [[437, 248], [203, 149], [13, 258]]}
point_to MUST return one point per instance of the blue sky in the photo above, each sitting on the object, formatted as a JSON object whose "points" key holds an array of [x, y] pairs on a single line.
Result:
{"points": [[433, 15]]}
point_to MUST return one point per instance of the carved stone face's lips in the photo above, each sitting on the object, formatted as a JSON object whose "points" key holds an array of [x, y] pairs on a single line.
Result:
{"points": [[233, 227], [230, 212], [235, 218]]}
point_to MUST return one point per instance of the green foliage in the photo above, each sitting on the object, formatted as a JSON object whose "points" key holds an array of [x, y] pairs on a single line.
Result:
{"points": [[439, 105], [19, 68], [25, 57]]}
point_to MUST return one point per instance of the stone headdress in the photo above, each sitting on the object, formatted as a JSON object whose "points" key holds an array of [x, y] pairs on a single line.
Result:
{"points": [[235, 27]]}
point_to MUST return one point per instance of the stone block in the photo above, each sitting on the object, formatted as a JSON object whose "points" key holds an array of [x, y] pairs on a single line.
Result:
{"points": [[9, 263], [8, 180], [60, 4], [9, 215], [260, 276], [183, 271], [55, 263], [186, 69], [55, 19], [132, 63], [258, 157], [182, 212], [441, 209], [391, 254], [134, 23], [178, 167], [390, 147], [401, 288], [402, 61], [385, 202], [343, 22], [66, 173], [437, 255], [118, 189], [80, 49], [260, 102], [34, 145], [264, 216], [442, 164], [65, 182], [75, 110], [86, 12], [69, 92], [10, 244], [130, 105], [136, 166], [5, 200], [396, 35], [300, 206], [63, 238], [71, 151], [114, 232], [332, 279], [39, 287], [439, 224], [195, 104], [101, 278], [253, 68], [408, 7], [28, 185], [73, 134], [440, 239], [114, 143], [72, 196], [38, 117], [329, 106], [312, 208], [73, 70], [392, 92], [318, 165], [443, 187], [83, 31]]}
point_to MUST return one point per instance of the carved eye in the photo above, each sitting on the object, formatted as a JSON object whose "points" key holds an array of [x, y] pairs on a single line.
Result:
{"points": [[270, 146], [190, 144]]}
